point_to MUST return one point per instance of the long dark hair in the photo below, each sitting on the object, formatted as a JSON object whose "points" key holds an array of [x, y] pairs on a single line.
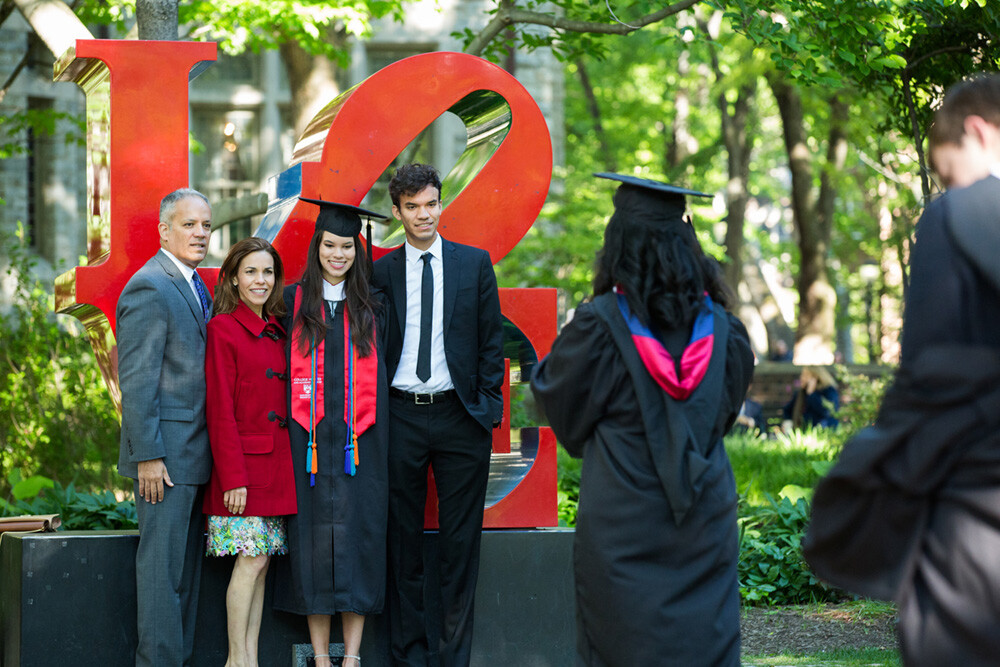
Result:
{"points": [[357, 296], [227, 295], [657, 261]]}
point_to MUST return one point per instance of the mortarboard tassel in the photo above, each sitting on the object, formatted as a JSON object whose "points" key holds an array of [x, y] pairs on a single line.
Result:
{"points": [[351, 448], [368, 238]]}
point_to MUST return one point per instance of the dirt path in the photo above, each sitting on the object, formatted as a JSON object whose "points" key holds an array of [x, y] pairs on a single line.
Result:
{"points": [[810, 629]]}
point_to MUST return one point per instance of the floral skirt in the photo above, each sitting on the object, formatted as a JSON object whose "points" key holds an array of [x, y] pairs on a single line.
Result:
{"points": [[247, 535]]}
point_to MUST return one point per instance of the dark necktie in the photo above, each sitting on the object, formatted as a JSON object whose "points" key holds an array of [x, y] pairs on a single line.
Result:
{"points": [[199, 287], [426, 313]]}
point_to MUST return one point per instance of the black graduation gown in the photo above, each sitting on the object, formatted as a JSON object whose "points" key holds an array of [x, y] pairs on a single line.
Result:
{"points": [[336, 542], [649, 590], [930, 467]]}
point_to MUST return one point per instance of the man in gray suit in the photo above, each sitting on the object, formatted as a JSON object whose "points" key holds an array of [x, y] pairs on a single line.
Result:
{"points": [[161, 317]]}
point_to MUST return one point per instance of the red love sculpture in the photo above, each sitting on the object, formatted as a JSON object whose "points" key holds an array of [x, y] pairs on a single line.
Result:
{"points": [[138, 152]]}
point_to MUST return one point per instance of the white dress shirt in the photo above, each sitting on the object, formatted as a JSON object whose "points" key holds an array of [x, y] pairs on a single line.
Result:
{"points": [[333, 292], [187, 272], [406, 373], [331, 295]]}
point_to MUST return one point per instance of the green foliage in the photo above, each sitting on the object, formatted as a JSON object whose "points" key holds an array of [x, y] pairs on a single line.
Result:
{"points": [[771, 567], [40, 122], [78, 510], [56, 415], [786, 467], [865, 395], [523, 413], [879, 46], [23, 489], [239, 25], [569, 487], [635, 90]]}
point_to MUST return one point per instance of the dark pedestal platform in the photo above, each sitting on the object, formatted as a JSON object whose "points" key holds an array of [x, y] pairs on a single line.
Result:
{"points": [[69, 598]]}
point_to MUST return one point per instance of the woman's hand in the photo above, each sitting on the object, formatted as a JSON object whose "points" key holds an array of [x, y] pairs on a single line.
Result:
{"points": [[235, 500]]}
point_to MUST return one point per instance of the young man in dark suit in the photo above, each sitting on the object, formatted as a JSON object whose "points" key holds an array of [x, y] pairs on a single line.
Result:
{"points": [[445, 363], [161, 315]]}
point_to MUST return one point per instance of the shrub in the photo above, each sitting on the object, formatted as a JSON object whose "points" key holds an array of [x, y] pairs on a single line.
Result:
{"points": [[56, 415], [78, 510], [568, 489], [865, 395], [771, 568]]}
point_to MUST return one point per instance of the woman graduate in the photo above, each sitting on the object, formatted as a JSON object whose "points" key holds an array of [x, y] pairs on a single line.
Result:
{"points": [[251, 486], [338, 430], [643, 383]]}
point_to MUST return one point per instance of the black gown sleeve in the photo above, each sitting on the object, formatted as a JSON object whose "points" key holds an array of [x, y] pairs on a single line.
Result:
{"points": [[574, 384], [934, 301], [739, 371]]}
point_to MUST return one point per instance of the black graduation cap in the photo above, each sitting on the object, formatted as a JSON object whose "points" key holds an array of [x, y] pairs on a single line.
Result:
{"points": [[343, 219], [651, 186], [670, 198]]}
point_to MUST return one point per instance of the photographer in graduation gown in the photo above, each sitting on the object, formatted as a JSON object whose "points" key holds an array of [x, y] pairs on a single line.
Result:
{"points": [[911, 510], [643, 383]]}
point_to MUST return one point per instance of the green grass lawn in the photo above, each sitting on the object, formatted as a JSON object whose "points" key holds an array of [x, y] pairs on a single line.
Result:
{"points": [[766, 465], [847, 657]]}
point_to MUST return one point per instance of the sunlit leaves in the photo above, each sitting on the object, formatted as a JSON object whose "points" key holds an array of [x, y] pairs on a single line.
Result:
{"points": [[240, 25]]}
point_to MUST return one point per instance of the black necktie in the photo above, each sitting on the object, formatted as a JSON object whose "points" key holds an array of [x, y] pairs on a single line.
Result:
{"points": [[426, 312], [199, 287]]}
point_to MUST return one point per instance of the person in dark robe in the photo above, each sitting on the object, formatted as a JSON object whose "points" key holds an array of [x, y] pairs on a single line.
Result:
{"points": [[911, 510], [642, 384], [339, 436]]}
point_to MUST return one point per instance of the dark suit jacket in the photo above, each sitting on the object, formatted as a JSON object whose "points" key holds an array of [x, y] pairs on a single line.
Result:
{"points": [[473, 334], [161, 370]]}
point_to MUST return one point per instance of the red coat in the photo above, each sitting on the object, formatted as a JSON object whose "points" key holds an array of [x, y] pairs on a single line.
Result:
{"points": [[246, 380]]}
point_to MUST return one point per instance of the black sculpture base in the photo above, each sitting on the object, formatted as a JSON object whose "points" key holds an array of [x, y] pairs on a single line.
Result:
{"points": [[69, 598]]}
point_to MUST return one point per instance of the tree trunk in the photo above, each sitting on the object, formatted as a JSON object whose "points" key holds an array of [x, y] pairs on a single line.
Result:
{"points": [[680, 145], [157, 19], [813, 224], [738, 148], [607, 156], [312, 80]]}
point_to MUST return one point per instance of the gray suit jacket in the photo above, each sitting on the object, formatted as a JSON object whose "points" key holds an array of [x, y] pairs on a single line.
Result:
{"points": [[161, 370]]}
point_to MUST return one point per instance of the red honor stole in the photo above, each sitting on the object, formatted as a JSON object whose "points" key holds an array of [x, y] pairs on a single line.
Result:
{"points": [[360, 391]]}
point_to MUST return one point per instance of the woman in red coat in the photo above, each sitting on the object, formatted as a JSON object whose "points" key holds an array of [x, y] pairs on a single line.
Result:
{"points": [[252, 487]]}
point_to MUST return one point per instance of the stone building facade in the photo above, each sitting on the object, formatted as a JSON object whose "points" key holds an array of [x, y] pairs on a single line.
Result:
{"points": [[42, 175]]}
